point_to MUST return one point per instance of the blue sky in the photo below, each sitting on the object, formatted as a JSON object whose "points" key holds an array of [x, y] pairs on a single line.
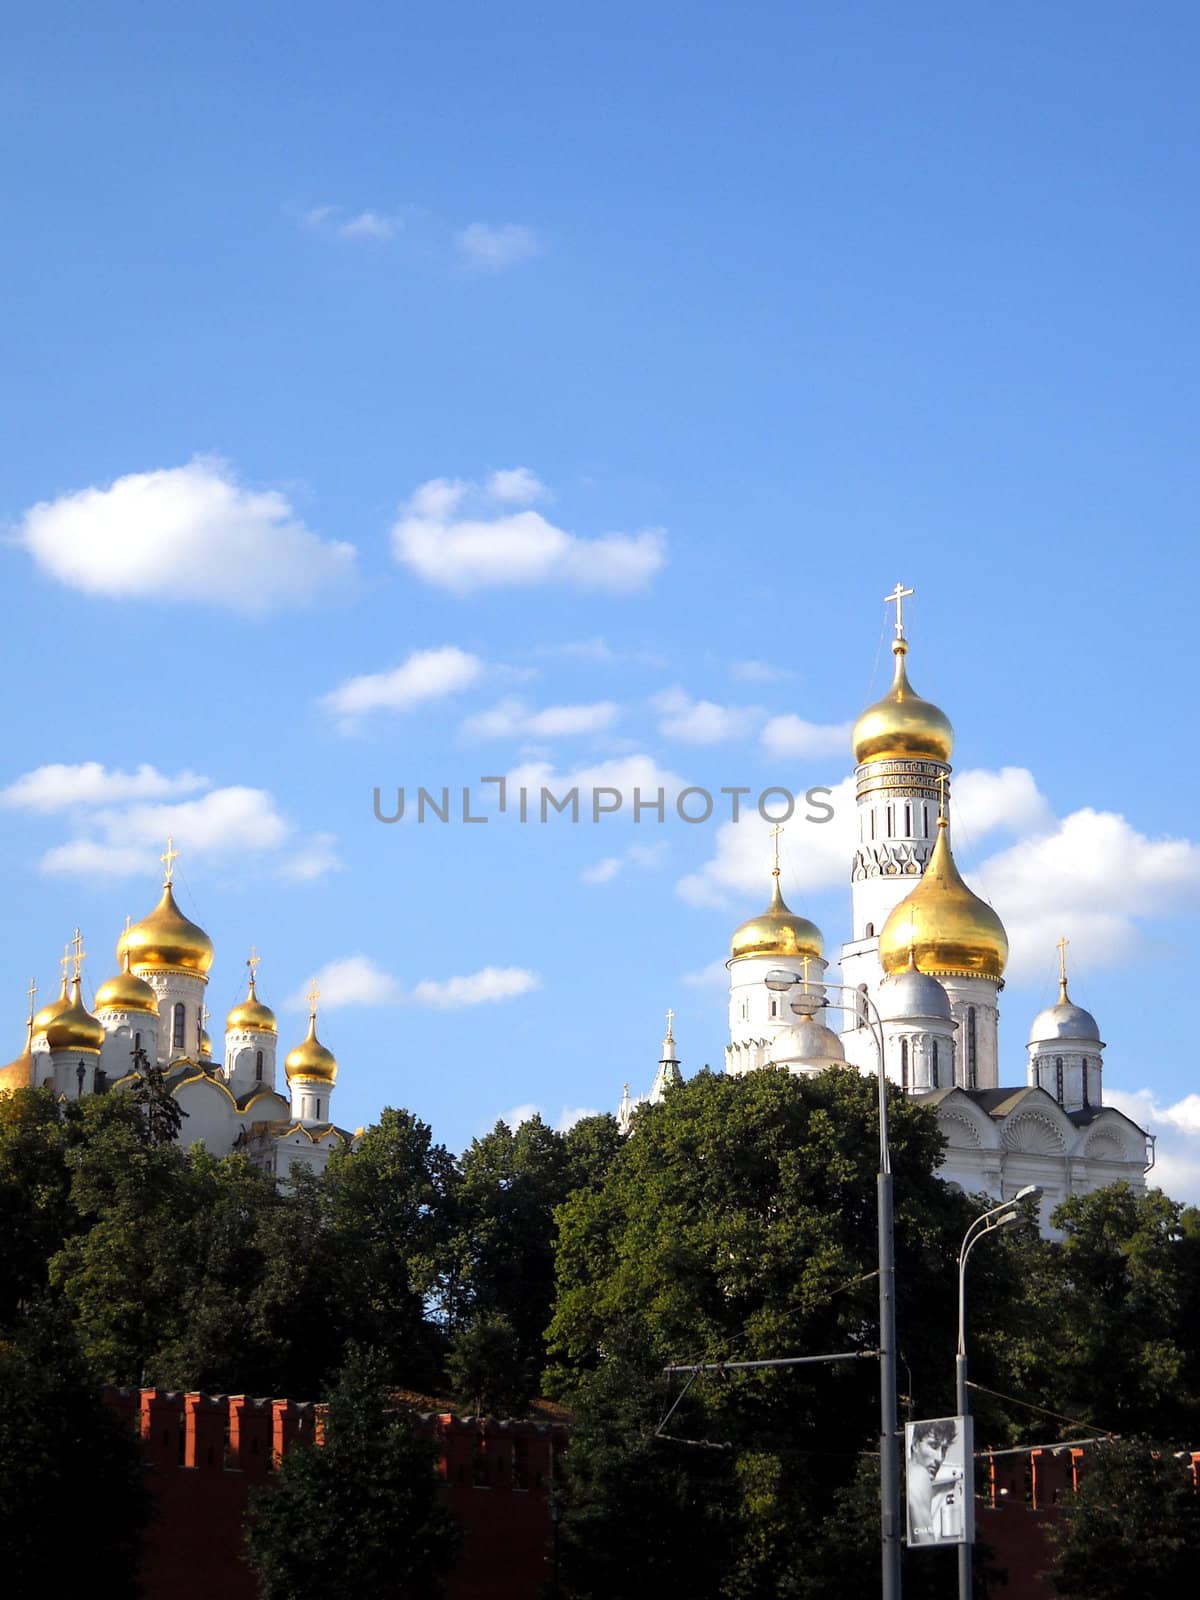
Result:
{"points": [[710, 324]]}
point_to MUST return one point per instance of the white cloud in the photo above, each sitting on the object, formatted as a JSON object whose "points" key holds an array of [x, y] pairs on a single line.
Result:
{"points": [[1008, 801], [335, 220], [313, 858], [185, 534], [566, 1120], [624, 774], [702, 721], [514, 719], [492, 247], [350, 981], [760, 672], [645, 856], [1176, 1129], [516, 486], [1091, 876], [438, 538], [426, 675], [58, 787], [815, 855], [124, 841], [599, 652], [792, 736], [714, 976], [486, 987]]}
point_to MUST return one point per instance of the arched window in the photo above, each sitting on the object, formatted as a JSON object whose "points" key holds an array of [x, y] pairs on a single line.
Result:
{"points": [[774, 1008], [137, 1041], [178, 1018], [863, 1014], [933, 1065], [907, 821], [1058, 1079], [258, 1066], [904, 1063], [870, 933], [1086, 1097], [318, 1109], [972, 1050]]}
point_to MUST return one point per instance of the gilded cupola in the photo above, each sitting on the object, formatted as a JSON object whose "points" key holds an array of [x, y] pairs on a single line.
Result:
{"points": [[250, 1014], [310, 1060], [777, 931], [942, 927], [75, 1028], [902, 726], [165, 940], [127, 992]]}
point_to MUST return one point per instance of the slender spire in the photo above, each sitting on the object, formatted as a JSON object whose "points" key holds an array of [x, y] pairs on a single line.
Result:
{"points": [[1062, 970]]}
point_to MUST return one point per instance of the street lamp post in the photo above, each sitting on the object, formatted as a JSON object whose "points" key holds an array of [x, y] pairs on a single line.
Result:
{"points": [[998, 1217], [889, 1449]]}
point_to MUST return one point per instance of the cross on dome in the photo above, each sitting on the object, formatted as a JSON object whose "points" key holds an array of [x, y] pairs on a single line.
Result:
{"points": [[898, 596], [168, 858], [776, 835], [253, 963], [31, 992], [78, 953], [314, 994]]}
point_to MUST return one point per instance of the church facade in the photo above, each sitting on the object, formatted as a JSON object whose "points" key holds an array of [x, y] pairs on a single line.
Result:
{"points": [[151, 1015], [919, 985]]}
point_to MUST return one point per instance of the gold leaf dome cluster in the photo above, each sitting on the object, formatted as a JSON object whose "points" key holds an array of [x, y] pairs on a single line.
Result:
{"points": [[166, 941], [942, 926], [251, 1015], [310, 1060], [777, 931], [75, 1028], [902, 726], [127, 992]]}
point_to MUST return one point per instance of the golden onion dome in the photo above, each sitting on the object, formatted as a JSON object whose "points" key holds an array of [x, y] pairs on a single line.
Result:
{"points": [[777, 931], [251, 1015], [902, 726], [311, 1059], [166, 940], [127, 992], [75, 1028], [43, 1018], [21, 1073], [943, 928]]}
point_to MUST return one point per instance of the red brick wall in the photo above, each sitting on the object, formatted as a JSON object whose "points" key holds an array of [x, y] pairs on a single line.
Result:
{"points": [[204, 1453]]}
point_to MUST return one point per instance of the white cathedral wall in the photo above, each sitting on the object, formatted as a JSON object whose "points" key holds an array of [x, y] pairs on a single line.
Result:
{"points": [[172, 989], [241, 1060], [122, 1029], [755, 1012], [978, 995], [211, 1116], [65, 1075]]}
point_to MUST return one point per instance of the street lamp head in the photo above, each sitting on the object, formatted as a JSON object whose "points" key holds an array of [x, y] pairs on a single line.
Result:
{"points": [[1031, 1191], [779, 980]]}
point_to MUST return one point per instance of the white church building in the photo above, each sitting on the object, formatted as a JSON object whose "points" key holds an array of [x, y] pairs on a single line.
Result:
{"points": [[152, 1013], [920, 979]]}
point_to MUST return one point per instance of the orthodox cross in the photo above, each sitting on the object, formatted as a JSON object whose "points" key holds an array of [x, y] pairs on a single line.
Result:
{"points": [[1062, 963], [168, 858], [670, 1022], [253, 964], [79, 952], [64, 961], [32, 993], [314, 994], [776, 835], [899, 595], [942, 780]]}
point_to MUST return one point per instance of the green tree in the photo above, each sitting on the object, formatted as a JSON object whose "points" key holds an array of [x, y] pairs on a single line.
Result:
{"points": [[739, 1222], [360, 1513], [36, 1215], [71, 1477], [1132, 1529], [162, 1112], [484, 1369]]}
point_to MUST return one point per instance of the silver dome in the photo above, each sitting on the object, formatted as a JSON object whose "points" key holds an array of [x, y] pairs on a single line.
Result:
{"points": [[1065, 1020], [913, 994], [806, 1040]]}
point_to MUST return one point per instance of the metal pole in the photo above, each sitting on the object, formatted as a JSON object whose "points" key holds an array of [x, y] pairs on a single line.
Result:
{"points": [[960, 1385], [889, 1448]]}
